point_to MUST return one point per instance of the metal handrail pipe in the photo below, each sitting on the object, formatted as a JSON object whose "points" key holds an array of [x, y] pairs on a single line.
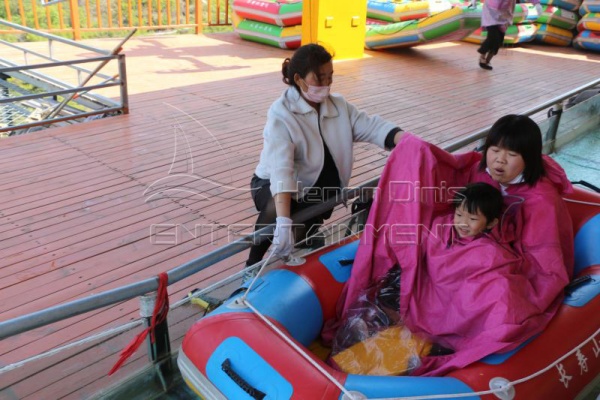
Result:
{"points": [[60, 312], [59, 83], [60, 119], [116, 50], [40, 55], [54, 37], [58, 92], [56, 64], [122, 28], [459, 144], [71, 309]]}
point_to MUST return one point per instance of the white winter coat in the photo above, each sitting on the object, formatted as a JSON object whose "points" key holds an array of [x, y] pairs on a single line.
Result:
{"points": [[293, 153]]}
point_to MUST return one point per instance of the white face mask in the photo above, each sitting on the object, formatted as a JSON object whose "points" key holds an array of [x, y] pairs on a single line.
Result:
{"points": [[316, 94]]}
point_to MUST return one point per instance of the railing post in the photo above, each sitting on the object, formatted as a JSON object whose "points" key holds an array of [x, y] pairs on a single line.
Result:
{"points": [[75, 19], [198, 12], [123, 80], [550, 138], [4, 93], [159, 352]]}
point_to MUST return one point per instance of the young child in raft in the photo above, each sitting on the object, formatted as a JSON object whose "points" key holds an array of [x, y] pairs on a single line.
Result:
{"points": [[477, 209], [373, 340]]}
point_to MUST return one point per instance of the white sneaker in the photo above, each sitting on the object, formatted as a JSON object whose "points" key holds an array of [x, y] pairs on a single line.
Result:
{"points": [[249, 274]]}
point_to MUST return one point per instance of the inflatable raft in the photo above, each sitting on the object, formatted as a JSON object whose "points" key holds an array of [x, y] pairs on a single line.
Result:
{"points": [[457, 23], [569, 5], [285, 37], [392, 11], [553, 35], [525, 12], [274, 12], [447, 25], [257, 347], [514, 34], [558, 17], [589, 6], [587, 40], [590, 22]]}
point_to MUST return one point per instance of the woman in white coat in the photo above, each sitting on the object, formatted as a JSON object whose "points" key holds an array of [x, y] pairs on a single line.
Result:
{"points": [[307, 151]]}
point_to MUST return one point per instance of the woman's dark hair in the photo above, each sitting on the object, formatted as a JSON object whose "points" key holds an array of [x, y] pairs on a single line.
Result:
{"points": [[520, 134], [480, 197], [308, 58]]}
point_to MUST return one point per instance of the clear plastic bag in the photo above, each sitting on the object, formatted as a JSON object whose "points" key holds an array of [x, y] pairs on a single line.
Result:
{"points": [[373, 340]]}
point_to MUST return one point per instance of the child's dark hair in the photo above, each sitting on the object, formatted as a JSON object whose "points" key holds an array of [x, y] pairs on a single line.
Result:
{"points": [[308, 58], [522, 135], [480, 197]]}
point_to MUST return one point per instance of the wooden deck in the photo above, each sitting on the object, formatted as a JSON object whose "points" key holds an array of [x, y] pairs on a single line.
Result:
{"points": [[94, 206]]}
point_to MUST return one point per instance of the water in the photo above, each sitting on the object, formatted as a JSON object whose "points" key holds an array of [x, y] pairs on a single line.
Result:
{"points": [[581, 158]]}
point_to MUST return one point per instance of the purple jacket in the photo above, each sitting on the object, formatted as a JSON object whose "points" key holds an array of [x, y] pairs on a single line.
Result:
{"points": [[499, 12]]}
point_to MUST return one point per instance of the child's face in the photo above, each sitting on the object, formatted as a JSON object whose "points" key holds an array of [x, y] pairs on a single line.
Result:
{"points": [[504, 164], [467, 224]]}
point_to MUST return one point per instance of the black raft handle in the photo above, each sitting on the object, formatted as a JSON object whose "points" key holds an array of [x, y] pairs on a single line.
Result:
{"points": [[241, 382], [588, 185]]}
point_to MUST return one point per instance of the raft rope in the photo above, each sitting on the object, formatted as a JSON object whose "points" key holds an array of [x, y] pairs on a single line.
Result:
{"points": [[502, 389], [298, 349], [260, 270], [265, 262], [108, 333], [284, 336], [588, 203]]}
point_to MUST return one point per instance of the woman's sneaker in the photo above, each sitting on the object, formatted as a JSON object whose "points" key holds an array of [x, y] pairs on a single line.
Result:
{"points": [[249, 274]]}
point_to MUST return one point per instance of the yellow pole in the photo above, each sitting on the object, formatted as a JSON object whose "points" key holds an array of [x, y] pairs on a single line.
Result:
{"points": [[198, 12], [75, 19], [339, 25]]}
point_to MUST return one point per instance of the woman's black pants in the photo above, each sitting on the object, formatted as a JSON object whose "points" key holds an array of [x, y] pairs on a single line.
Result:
{"points": [[263, 200]]}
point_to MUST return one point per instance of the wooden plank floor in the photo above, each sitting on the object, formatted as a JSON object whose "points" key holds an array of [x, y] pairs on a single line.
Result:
{"points": [[94, 206]]}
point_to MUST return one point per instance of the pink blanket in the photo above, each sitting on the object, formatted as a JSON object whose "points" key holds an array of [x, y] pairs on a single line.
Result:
{"points": [[479, 296]]}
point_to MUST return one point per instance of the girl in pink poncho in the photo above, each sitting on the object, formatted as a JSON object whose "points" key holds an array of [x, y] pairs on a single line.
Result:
{"points": [[512, 160], [496, 16], [543, 241]]}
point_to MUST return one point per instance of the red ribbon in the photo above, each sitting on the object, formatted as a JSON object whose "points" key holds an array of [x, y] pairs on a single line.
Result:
{"points": [[159, 315]]}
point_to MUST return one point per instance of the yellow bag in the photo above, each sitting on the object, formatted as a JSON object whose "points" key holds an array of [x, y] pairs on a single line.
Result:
{"points": [[392, 351]]}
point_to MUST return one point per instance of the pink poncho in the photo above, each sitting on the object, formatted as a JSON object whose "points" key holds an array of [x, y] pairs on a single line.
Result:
{"points": [[478, 296]]}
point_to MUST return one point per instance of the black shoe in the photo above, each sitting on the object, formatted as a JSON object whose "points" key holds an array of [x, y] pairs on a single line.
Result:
{"points": [[486, 66]]}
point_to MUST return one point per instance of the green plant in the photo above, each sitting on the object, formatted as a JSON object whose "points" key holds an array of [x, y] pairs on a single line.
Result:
{"points": [[48, 17]]}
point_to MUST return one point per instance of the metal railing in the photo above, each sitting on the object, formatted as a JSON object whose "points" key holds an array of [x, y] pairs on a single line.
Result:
{"points": [[78, 18], [60, 312], [79, 95]]}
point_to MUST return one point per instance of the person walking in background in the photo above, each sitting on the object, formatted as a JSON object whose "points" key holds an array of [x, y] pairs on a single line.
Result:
{"points": [[496, 17]]}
